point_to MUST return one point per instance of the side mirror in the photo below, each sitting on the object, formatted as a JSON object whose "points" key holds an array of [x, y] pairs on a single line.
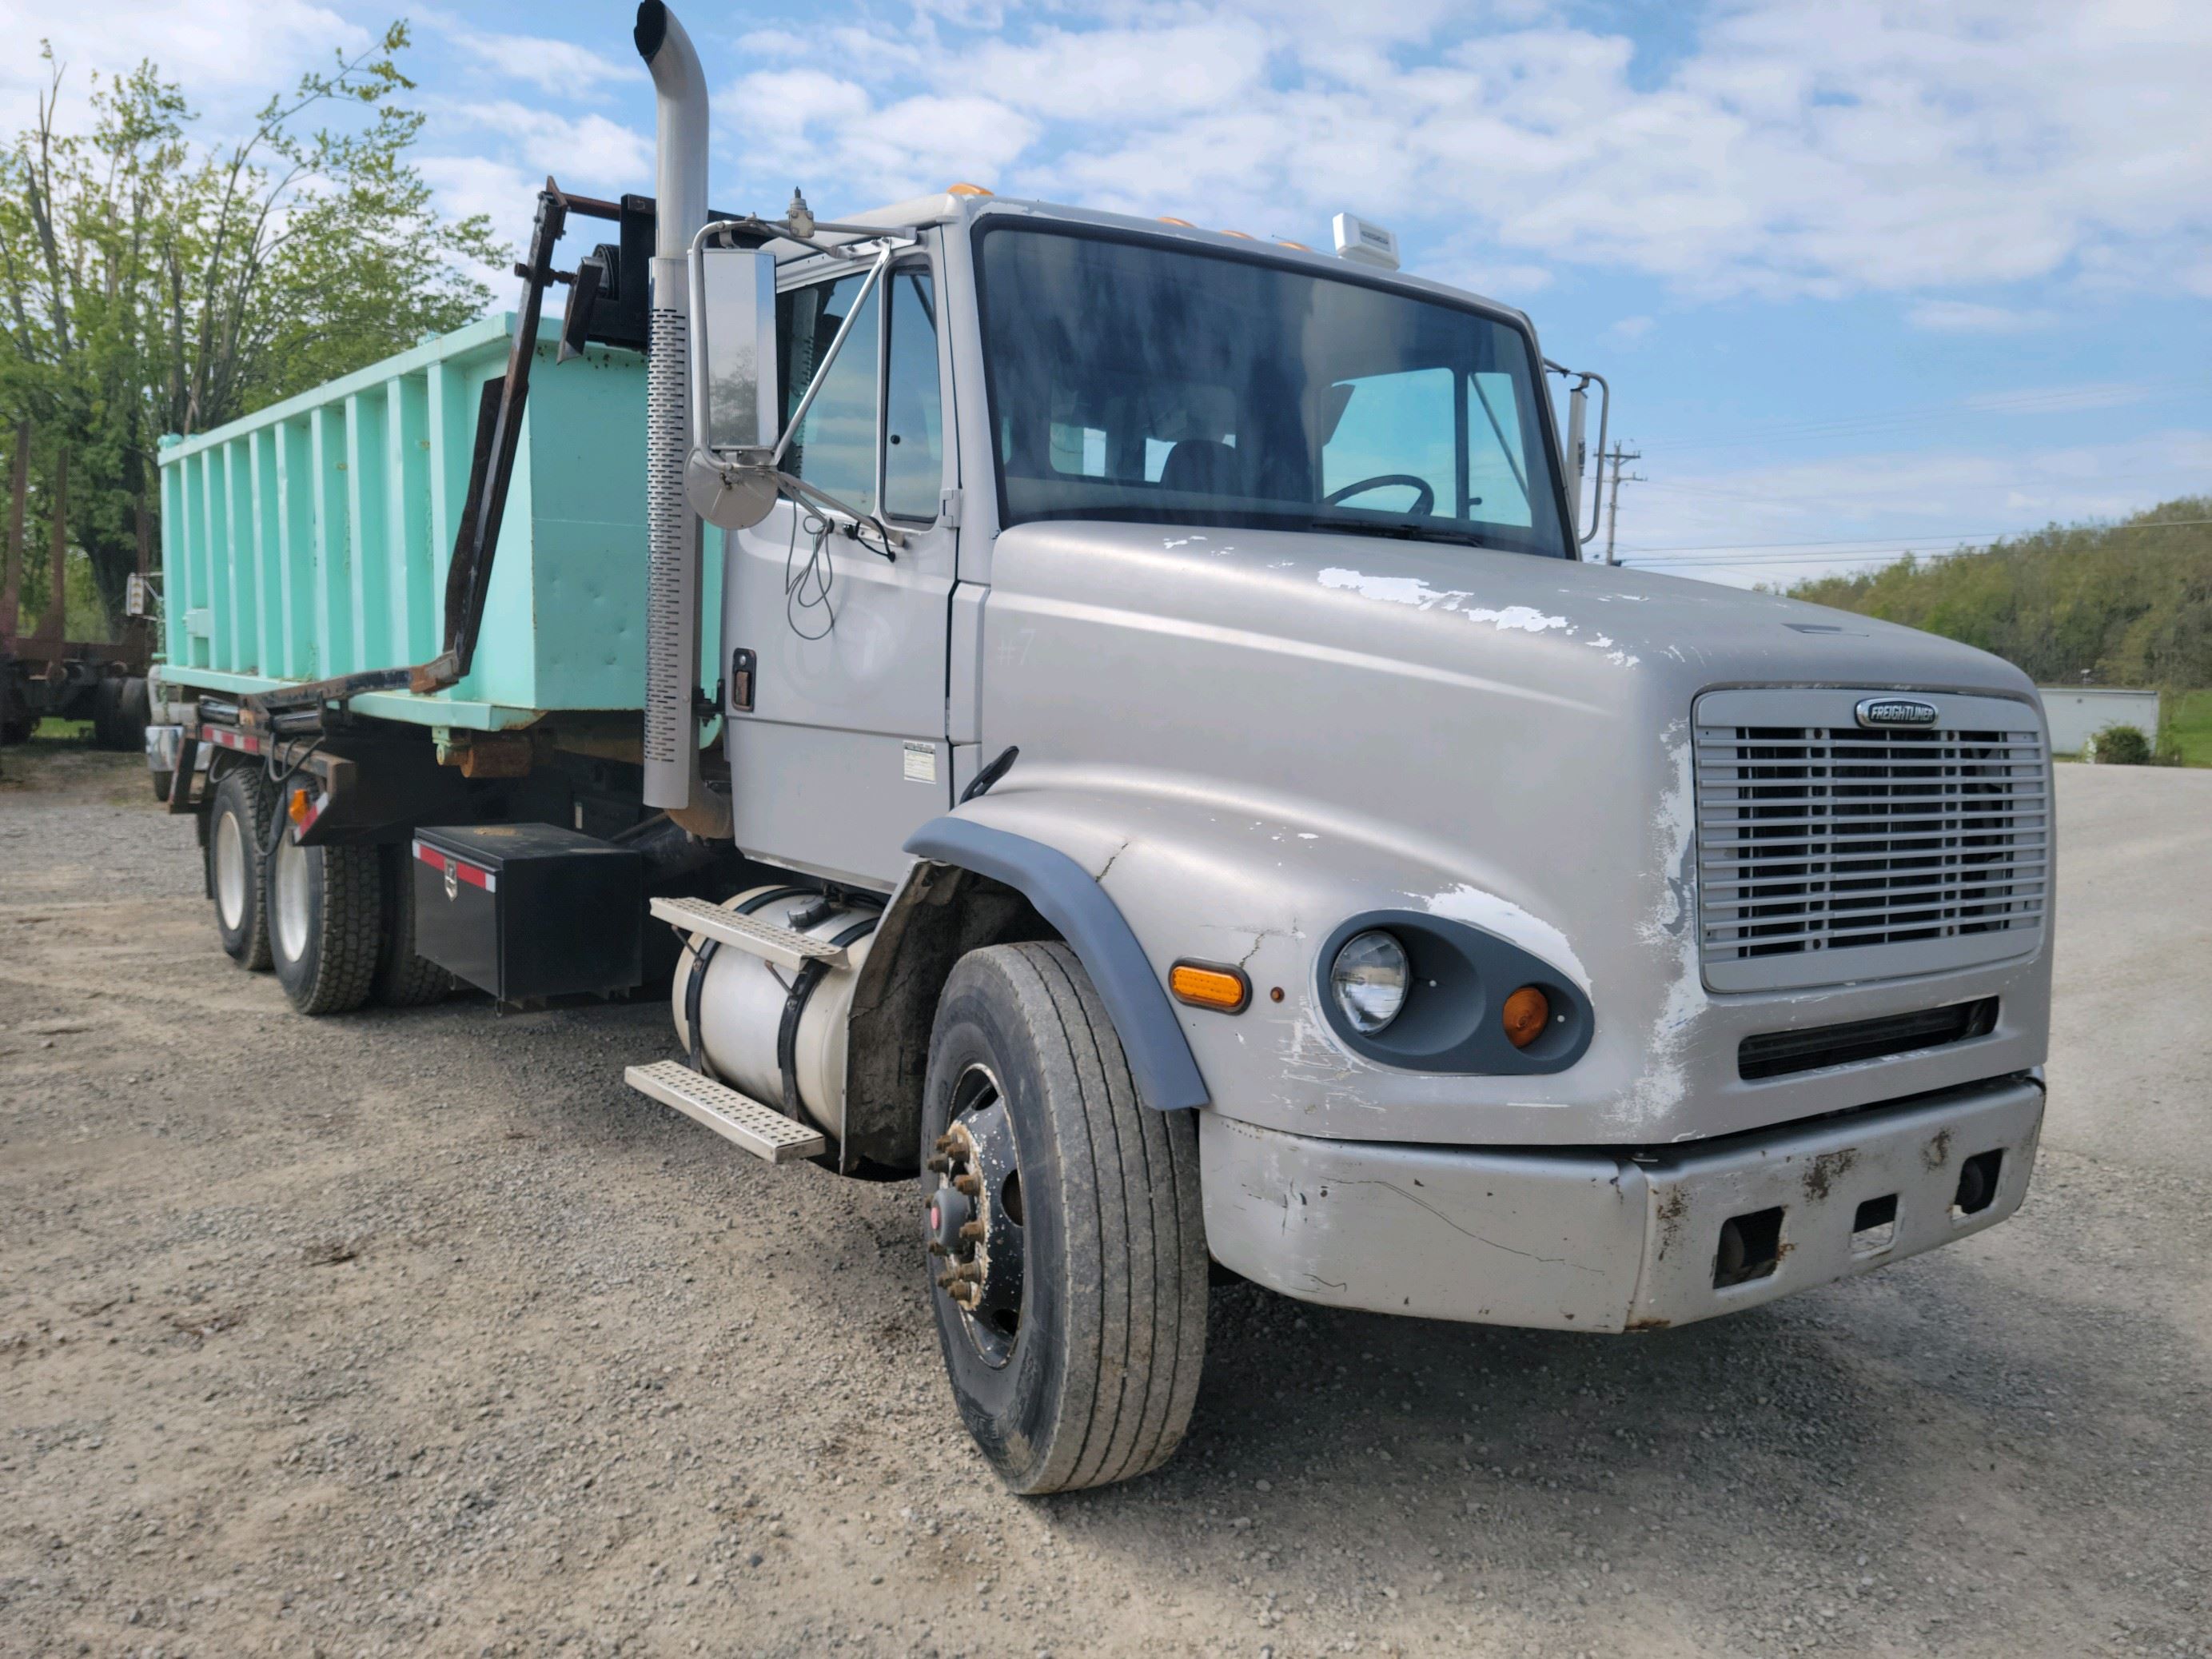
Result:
{"points": [[730, 479]]}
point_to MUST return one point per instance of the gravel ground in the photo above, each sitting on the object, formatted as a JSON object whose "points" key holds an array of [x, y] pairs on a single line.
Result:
{"points": [[419, 1333]]}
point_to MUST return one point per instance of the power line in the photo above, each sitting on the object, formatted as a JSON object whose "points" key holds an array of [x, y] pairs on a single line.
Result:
{"points": [[1944, 537], [2044, 401], [1613, 513], [1798, 498]]}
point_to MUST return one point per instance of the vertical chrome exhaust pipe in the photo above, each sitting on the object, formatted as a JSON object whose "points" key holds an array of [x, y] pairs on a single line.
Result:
{"points": [[673, 585]]}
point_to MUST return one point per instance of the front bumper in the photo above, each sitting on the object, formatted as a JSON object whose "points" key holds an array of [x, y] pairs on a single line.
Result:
{"points": [[1592, 1241]]}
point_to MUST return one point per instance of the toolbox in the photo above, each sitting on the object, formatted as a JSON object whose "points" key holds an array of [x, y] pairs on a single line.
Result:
{"points": [[530, 911]]}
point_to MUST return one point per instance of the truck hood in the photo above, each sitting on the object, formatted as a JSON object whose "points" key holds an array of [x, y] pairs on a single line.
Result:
{"points": [[1252, 735], [1472, 610]]}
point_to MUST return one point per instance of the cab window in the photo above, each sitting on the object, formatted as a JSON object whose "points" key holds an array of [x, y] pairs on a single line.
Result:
{"points": [[835, 448], [881, 386]]}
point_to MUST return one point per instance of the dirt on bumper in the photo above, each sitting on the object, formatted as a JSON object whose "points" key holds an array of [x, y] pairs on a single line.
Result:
{"points": [[1603, 1241]]}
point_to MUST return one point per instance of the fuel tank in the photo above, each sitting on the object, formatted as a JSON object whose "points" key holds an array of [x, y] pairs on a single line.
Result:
{"points": [[760, 1024]]}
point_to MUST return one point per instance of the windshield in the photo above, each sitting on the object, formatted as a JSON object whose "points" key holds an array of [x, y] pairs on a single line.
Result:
{"points": [[1133, 381]]}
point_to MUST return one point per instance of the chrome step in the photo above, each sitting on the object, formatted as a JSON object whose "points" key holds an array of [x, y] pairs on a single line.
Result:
{"points": [[761, 1130], [742, 933]]}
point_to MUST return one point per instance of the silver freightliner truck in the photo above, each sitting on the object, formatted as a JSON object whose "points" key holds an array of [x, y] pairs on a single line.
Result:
{"points": [[1199, 810]]}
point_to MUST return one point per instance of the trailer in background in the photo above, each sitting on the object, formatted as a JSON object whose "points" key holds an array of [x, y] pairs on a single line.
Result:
{"points": [[2078, 712], [44, 674]]}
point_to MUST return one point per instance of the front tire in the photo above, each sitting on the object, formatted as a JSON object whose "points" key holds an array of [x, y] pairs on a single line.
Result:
{"points": [[324, 905], [238, 829], [1065, 1216]]}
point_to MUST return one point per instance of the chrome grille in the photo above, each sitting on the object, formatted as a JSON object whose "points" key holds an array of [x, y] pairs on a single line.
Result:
{"points": [[1829, 853]]}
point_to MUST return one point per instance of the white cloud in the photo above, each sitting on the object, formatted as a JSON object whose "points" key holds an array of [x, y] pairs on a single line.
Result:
{"points": [[1885, 145], [227, 54], [559, 67], [807, 123], [1629, 330], [1967, 317], [581, 151]]}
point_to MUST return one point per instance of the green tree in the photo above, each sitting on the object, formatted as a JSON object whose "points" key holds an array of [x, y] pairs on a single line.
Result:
{"points": [[153, 281], [2125, 604]]}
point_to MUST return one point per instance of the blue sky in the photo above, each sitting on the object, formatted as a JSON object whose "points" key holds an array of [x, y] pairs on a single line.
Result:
{"points": [[1865, 276]]}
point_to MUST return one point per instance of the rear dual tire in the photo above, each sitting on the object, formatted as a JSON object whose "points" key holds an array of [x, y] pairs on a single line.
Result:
{"points": [[1089, 1375], [403, 979], [239, 815], [325, 908]]}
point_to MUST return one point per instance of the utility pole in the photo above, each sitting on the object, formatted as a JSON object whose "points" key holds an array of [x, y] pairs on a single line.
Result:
{"points": [[1613, 507]]}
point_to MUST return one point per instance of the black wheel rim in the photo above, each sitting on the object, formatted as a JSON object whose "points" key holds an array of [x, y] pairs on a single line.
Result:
{"points": [[972, 1217]]}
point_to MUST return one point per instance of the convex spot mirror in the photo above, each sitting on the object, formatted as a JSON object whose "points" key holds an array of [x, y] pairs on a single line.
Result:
{"points": [[730, 479]]}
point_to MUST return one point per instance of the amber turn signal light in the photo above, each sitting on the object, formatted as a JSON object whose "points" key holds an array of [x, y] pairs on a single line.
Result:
{"points": [[296, 809], [1527, 1012], [1205, 985]]}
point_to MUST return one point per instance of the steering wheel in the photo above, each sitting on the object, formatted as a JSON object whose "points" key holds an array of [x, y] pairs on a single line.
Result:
{"points": [[1424, 503]]}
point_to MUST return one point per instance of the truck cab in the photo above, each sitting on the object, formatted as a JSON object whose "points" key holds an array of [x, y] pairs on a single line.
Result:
{"points": [[1525, 939]]}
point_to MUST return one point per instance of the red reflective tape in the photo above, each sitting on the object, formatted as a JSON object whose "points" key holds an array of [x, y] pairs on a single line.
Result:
{"points": [[224, 737], [447, 864]]}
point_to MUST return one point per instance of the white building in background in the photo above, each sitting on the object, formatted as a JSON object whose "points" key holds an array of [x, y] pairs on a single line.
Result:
{"points": [[2078, 712]]}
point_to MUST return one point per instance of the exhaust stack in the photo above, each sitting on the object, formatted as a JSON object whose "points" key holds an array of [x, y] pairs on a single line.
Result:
{"points": [[671, 638]]}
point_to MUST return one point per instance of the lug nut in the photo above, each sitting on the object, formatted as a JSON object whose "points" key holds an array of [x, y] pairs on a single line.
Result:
{"points": [[970, 1184], [973, 1230], [936, 1249], [940, 1164]]}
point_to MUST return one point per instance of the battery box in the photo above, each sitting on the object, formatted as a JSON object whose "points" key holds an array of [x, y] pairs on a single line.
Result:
{"points": [[530, 911]]}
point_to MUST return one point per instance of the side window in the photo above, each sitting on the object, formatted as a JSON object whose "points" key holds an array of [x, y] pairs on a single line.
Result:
{"points": [[835, 449], [913, 436], [1397, 424]]}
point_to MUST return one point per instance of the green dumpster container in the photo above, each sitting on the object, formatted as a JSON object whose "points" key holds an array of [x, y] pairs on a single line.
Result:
{"points": [[312, 538]]}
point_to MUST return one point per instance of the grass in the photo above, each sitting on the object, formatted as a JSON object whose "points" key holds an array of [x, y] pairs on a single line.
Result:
{"points": [[2188, 726]]}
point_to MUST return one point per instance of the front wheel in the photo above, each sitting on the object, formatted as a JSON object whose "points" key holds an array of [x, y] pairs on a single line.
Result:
{"points": [[1067, 1235]]}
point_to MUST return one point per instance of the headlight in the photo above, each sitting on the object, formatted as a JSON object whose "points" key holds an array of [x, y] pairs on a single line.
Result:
{"points": [[1368, 979]]}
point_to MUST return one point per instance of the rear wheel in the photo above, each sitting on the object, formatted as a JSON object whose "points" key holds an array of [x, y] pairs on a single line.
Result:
{"points": [[1067, 1237], [238, 827], [325, 907], [403, 980]]}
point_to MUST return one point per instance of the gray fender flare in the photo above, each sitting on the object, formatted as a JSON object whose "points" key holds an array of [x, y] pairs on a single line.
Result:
{"points": [[1064, 895]]}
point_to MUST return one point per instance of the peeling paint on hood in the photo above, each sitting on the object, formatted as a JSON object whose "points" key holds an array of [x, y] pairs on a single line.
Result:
{"points": [[1412, 590], [1669, 934], [1509, 922]]}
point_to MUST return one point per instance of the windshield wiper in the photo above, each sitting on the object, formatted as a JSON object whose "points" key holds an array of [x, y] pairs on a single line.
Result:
{"points": [[1403, 529]]}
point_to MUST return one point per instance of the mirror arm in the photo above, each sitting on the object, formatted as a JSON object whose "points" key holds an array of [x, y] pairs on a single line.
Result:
{"points": [[1584, 377], [821, 369], [806, 494], [796, 490]]}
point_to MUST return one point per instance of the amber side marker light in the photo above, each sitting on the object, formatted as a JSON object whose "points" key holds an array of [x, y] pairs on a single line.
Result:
{"points": [[1527, 1012], [1205, 985], [297, 808]]}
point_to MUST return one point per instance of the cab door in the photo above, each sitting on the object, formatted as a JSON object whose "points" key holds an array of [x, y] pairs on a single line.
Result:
{"points": [[843, 751]]}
